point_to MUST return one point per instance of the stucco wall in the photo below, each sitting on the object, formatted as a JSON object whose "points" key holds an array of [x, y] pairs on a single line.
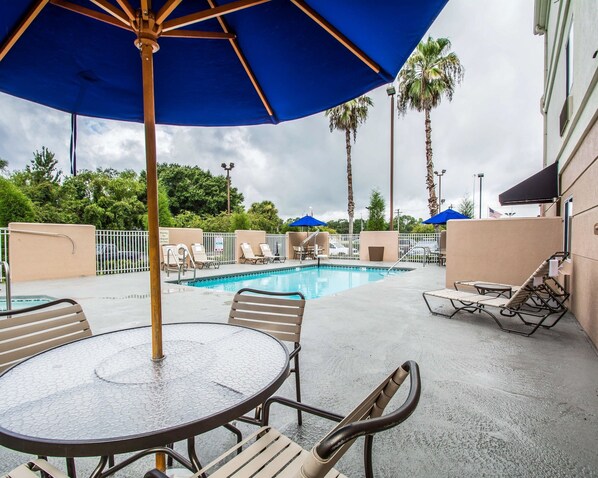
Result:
{"points": [[46, 252], [500, 250], [295, 239], [388, 239], [254, 238]]}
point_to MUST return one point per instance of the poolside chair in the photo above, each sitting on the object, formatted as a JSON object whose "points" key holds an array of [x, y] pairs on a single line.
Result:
{"points": [[35, 469], [26, 332], [278, 313], [270, 453], [267, 253], [299, 253], [172, 260], [532, 299], [249, 256], [200, 258]]}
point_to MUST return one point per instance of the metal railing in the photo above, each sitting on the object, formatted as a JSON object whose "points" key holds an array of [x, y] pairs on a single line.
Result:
{"points": [[118, 252], [277, 243], [419, 247], [221, 246], [4, 244], [344, 246]]}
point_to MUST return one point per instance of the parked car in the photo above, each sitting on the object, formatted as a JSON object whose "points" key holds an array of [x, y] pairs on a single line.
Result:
{"points": [[405, 244], [109, 252], [430, 244], [336, 249]]}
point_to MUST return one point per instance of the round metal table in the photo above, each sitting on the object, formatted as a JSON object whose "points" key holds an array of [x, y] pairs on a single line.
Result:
{"points": [[104, 395]]}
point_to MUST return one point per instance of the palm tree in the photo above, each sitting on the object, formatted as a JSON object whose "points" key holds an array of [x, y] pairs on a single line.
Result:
{"points": [[430, 73], [347, 117]]}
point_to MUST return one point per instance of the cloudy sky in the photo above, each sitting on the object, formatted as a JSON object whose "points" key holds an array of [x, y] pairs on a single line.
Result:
{"points": [[492, 126]]}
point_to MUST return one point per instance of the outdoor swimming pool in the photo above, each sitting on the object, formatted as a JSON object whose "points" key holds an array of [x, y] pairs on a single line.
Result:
{"points": [[312, 281], [24, 301]]}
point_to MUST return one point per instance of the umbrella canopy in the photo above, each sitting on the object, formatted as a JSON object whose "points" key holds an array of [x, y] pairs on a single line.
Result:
{"points": [[444, 216], [217, 63], [308, 221]]}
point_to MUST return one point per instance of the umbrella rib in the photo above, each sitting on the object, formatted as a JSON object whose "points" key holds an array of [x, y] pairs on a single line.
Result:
{"points": [[198, 34], [88, 12], [235, 44], [342, 39], [166, 10], [210, 13], [112, 10], [128, 9], [14, 37]]}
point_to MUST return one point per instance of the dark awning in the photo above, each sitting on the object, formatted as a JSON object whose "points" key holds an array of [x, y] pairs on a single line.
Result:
{"points": [[542, 187]]}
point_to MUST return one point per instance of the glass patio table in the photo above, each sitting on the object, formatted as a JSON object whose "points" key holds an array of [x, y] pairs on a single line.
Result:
{"points": [[104, 395]]}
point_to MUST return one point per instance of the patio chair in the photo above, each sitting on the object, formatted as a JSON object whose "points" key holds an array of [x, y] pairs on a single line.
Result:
{"points": [[26, 332], [532, 299], [273, 454], [200, 258], [35, 469], [267, 253], [299, 253], [249, 256], [278, 313]]}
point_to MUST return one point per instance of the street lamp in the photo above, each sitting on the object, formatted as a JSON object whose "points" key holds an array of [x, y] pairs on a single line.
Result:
{"points": [[440, 174], [390, 91], [481, 176], [227, 169]]}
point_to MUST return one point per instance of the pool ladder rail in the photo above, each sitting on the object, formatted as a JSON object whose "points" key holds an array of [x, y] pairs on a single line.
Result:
{"points": [[426, 253], [8, 295]]}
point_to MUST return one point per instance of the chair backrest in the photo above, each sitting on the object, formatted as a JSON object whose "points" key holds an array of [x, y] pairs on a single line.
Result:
{"points": [[365, 420], [183, 254], [247, 251], [529, 287], [276, 313], [35, 329], [266, 251], [199, 252]]}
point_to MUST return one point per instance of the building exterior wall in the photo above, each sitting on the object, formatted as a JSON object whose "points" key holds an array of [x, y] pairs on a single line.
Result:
{"points": [[51, 251], [576, 150], [179, 235], [387, 239], [500, 250]]}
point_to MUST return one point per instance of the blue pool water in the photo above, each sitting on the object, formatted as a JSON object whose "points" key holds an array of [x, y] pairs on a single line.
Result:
{"points": [[312, 281], [24, 301]]}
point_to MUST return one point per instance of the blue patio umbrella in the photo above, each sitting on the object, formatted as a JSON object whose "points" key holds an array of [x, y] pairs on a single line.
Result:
{"points": [[444, 216], [308, 221], [202, 62]]}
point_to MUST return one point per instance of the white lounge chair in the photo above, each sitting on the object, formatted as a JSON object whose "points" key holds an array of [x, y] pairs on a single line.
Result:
{"points": [[267, 253], [200, 258], [247, 255]]}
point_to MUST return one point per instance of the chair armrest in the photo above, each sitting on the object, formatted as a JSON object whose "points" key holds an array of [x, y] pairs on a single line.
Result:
{"points": [[155, 473], [297, 406], [295, 351], [349, 432]]}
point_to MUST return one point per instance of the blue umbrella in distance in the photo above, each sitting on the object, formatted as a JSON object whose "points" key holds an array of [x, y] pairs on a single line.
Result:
{"points": [[308, 221], [444, 216], [202, 63]]}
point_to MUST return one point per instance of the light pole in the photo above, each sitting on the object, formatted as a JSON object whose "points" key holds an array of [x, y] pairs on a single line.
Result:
{"points": [[481, 176], [227, 169], [390, 91], [440, 174], [398, 220]]}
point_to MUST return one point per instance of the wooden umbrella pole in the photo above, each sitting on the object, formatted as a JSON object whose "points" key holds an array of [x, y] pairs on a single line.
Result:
{"points": [[147, 47]]}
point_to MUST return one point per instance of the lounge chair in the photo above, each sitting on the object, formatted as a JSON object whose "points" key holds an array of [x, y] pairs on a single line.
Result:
{"points": [[34, 469], [267, 253], [278, 313], [532, 299], [274, 454], [200, 258], [249, 256], [172, 260]]}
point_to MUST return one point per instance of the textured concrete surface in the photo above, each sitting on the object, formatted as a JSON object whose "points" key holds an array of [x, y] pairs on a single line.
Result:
{"points": [[493, 404]]}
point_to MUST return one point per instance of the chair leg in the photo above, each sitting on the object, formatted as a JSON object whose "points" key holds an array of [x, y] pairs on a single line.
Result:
{"points": [[367, 456], [70, 468], [298, 387]]}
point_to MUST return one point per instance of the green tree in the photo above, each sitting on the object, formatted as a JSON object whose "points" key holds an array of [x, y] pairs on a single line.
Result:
{"points": [[407, 223], [430, 73], [376, 212], [347, 118], [219, 223], [466, 207], [240, 221], [264, 217], [187, 219], [3, 166], [421, 227], [14, 205], [189, 188]]}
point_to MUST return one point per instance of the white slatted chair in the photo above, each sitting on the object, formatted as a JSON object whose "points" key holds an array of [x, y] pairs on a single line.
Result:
{"points": [[34, 469]]}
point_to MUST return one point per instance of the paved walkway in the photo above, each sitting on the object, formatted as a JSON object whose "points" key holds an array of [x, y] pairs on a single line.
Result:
{"points": [[493, 404]]}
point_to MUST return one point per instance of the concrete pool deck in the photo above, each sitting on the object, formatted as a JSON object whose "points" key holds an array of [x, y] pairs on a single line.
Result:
{"points": [[493, 404]]}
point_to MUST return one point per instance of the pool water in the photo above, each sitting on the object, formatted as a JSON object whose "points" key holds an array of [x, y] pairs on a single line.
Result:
{"points": [[312, 281], [24, 301]]}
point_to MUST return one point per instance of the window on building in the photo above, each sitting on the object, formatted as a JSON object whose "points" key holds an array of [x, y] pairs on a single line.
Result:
{"points": [[569, 60], [568, 224]]}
